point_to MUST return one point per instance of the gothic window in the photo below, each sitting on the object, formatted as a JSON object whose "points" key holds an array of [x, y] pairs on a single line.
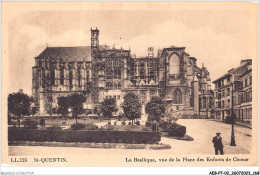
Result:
{"points": [[142, 71], [174, 65], [61, 76], [52, 77], [79, 77], [204, 102], [177, 96], [70, 78]]}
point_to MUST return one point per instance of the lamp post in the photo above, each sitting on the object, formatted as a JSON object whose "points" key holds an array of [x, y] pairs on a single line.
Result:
{"points": [[233, 119]]}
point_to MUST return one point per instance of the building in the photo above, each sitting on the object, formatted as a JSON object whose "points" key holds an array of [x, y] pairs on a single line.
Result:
{"points": [[233, 91], [99, 71], [242, 96]]}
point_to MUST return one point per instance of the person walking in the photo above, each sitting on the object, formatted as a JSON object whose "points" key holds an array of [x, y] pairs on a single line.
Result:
{"points": [[217, 140]]}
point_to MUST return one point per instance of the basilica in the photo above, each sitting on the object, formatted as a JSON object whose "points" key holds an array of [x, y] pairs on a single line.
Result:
{"points": [[99, 71]]}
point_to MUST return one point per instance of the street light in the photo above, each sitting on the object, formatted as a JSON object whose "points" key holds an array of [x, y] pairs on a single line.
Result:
{"points": [[233, 119]]}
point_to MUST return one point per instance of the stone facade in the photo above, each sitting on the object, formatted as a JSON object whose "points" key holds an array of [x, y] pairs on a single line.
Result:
{"points": [[98, 71], [233, 91]]}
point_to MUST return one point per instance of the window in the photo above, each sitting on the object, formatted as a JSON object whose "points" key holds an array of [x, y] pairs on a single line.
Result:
{"points": [[223, 93], [177, 97], [228, 91], [70, 78], [204, 102], [40, 63], [219, 104], [245, 82], [53, 77], [61, 76], [228, 79], [79, 77], [119, 86], [250, 80], [118, 97], [174, 65]]}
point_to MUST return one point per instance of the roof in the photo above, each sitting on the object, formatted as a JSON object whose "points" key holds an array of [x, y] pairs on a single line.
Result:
{"points": [[247, 72], [238, 70], [79, 53]]}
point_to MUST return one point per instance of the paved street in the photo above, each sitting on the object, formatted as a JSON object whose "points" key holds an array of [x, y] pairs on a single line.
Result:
{"points": [[200, 129], [204, 130]]}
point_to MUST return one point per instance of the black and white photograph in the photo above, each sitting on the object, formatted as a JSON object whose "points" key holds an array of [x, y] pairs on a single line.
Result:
{"points": [[129, 83]]}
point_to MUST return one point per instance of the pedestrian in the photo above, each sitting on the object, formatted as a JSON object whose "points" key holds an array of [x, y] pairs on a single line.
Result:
{"points": [[217, 140]]}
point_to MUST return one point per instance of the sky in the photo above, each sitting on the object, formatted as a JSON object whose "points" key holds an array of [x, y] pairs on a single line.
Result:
{"points": [[218, 37]]}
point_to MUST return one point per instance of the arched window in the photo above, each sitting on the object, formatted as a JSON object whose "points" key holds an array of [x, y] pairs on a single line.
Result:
{"points": [[174, 65], [177, 97], [79, 77], [61, 76], [53, 77]]}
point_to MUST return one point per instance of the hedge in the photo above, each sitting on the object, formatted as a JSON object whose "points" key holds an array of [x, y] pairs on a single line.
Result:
{"points": [[133, 137]]}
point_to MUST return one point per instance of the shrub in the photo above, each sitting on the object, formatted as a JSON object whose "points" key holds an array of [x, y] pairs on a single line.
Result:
{"points": [[97, 136], [78, 126], [138, 122], [145, 129], [55, 127], [91, 126], [30, 123], [164, 125], [177, 130], [123, 123], [148, 123]]}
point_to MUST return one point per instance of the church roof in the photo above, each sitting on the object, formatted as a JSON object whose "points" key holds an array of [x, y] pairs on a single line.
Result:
{"points": [[67, 54]]}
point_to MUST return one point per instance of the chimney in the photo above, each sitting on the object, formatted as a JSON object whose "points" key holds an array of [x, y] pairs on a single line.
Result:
{"points": [[245, 61]]}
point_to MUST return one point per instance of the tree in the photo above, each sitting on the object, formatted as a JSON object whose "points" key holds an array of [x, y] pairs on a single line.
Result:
{"points": [[76, 104], [19, 104], [63, 106], [108, 106], [155, 108], [131, 106]]}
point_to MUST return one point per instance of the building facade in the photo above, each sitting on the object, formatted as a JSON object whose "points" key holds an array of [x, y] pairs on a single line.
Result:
{"points": [[99, 71], [233, 91]]}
